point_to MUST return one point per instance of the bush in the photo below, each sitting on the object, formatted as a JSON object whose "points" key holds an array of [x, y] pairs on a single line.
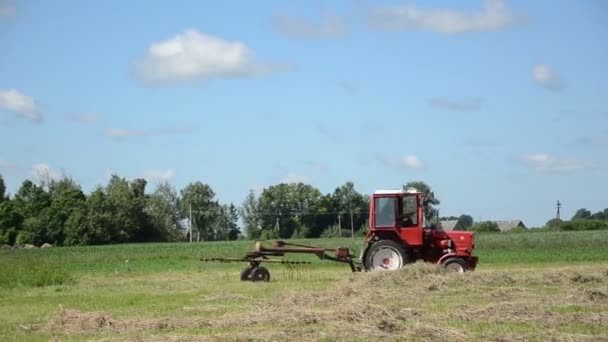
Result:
{"points": [[485, 227], [8, 237], [24, 237], [584, 224]]}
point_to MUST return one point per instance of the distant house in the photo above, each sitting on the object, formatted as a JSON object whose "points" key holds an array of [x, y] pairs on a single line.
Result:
{"points": [[505, 226], [448, 225]]}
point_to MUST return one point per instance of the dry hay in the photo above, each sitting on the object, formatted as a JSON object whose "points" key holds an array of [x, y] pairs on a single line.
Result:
{"points": [[404, 304], [70, 321]]}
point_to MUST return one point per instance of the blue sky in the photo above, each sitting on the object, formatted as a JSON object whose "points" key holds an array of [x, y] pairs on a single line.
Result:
{"points": [[499, 105]]}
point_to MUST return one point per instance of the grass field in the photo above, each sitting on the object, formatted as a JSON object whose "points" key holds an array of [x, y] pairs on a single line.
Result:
{"points": [[528, 286]]}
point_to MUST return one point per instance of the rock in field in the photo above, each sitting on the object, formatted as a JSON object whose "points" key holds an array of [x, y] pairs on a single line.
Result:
{"points": [[46, 245], [28, 246]]}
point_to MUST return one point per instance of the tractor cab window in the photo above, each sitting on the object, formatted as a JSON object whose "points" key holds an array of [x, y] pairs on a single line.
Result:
{"points": [[408, 211], [385, 211]]}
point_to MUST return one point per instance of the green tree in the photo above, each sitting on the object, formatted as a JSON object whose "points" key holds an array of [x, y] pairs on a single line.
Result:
{"points": [[127, 205], [226, 227], [233, 219], [485, 226], [326, 218], [349, 201], [251, 219], [11, 222], [288, 210], [465, 222], [94, 222], [163, 209], [199, 197], [66, 196], [31, 199], [33, 203], [554, 223], [599, 216], [582, 214], [3, 196], [429, 202], [275, 209]]}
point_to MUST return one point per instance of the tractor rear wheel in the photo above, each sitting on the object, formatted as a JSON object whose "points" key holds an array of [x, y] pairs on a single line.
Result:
{"points": [[260, 273], [385, 255], [455, 265]]}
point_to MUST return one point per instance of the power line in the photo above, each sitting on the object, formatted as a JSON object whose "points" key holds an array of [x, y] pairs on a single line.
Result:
{"points": [[298, 213]]}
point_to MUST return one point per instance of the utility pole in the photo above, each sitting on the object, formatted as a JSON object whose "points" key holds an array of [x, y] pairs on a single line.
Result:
{"points": [[557, 216], [340, 224], [190, 225], [277, 226]]}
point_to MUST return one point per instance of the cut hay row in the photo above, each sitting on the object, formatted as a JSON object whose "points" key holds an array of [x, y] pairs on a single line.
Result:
{"points": [[417, 302]]}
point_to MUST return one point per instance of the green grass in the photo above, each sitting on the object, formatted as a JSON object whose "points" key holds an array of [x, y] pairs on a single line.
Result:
{"points": [[492, 249], [27, 270], [168, 280]]}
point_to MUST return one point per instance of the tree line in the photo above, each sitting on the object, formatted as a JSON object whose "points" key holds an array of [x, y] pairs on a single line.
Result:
{"points": [[582, 219], [59, 212]]}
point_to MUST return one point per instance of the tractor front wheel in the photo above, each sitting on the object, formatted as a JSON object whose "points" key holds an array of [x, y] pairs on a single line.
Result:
{"points": [[455, 265], [385, 255]]}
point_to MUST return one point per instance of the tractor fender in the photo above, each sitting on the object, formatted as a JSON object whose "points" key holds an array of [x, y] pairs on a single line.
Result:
{"points": [[445, 257]]}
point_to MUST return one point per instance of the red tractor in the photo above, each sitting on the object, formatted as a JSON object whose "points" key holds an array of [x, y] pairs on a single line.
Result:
{"points": [[397, 235]]}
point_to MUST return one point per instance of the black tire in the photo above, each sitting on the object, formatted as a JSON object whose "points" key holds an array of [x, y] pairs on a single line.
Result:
{"points": [[260, 273], [389, 246], [455, 265], [246, 273]]}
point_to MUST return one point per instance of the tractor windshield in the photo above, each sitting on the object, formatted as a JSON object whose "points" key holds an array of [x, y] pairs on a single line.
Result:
{"points": [[408, 213], [385, 211]]}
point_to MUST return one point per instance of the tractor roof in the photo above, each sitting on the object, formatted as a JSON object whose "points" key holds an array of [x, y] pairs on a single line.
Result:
{"points": [[396, 191]]}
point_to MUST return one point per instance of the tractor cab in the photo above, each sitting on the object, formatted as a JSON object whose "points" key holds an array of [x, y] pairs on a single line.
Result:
{"points": [[398, 235], [397, 213]]}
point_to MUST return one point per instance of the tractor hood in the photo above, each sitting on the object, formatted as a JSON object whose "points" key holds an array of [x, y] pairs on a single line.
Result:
{"points": [[463, 241]]}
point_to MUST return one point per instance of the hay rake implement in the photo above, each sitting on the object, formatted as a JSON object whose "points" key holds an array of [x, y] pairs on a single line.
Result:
{"points": [[256, 272]]}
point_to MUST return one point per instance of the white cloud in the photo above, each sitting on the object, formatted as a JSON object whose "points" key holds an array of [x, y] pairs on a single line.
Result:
{"points": [[302, 28], [546, 162], [494, 15], [408, 162], [460, 105], [158, 175], [20, 103], [7, 8], [295, 178], [546, 77], [44, 173], [411, 162], [193, 55], [84, 118]]}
